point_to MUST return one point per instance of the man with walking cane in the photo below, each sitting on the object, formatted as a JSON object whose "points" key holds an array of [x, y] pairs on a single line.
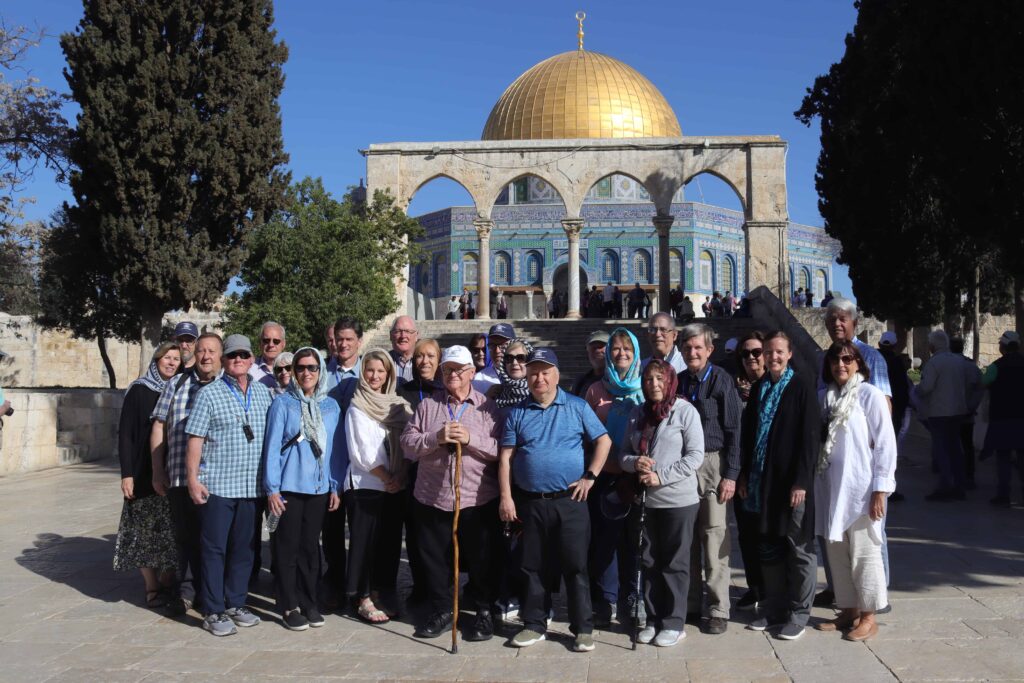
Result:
{"points": [[456, 418], [542, 453]]}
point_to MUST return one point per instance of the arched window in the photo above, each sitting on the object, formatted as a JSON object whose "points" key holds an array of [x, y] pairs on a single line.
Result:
{"points": [[820, 283], [726, 277], [469, 262], [423, 278], [641, 266], [609, 266], [534, 268], [502, 268], [706, 273], [441, 283], [675, 267], [805, 279]]}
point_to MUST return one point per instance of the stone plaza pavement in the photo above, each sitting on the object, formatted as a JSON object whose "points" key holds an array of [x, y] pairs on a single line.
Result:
{"points": [[957, 593]]}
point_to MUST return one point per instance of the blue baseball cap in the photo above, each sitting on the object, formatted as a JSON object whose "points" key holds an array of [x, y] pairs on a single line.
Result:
{"points": [[542, 356], [502, 330], [186, 329]]}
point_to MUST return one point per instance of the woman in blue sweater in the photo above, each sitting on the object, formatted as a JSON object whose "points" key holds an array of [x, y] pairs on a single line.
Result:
{"points": [[299, 486]]}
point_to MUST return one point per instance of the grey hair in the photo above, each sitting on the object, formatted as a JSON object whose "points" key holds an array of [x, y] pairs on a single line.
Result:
{"points": [[696, 330], [841, 305], [939, 340], [271, 323], [666, 316]]}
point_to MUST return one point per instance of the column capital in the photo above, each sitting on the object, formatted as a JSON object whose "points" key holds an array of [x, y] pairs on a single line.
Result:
{"points": [[663, 224], [572, 227], [483, 227]]}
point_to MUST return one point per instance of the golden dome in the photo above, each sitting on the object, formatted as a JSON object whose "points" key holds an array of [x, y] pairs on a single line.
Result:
{"points": [[581, 94]]}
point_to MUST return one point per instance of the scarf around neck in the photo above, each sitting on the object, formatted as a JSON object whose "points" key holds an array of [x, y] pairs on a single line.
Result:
{"points": [[385, 407], [769, 395], [839, 405], [151, 380], [626, 391], [512, 390], [309, 406]]}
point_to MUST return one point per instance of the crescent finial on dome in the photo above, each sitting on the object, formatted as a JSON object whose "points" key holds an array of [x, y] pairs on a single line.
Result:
{"points": [[580, 16]]}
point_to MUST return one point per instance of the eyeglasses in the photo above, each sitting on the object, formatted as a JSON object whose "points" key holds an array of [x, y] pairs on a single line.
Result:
{"points": [[185, 339], [238, 354], [845, 360], [659, 330], [515, 357], [313, 369], [750, 353], [281, 369], [448, 371], [405, 332], [477, 350], [267, 341]]}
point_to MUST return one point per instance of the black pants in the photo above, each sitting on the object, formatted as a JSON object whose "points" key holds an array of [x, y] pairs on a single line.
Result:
{"points": [[479, 552], [558, 526], [334, 547], [967, 444], [790, 568], [668, 535], [412, 536], [185, 517], [375, 543], [297, 553], [749, 536]]}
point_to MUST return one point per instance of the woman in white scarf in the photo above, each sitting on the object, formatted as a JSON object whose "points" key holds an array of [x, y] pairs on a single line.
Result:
{"points": [[855, 473]]}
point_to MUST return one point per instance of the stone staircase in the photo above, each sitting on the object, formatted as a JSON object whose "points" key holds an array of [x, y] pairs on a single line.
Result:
{"points": [[567, 337]]}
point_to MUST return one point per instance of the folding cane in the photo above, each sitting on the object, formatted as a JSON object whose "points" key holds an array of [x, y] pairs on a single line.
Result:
{"points": [[638, 581], [456, 479]]}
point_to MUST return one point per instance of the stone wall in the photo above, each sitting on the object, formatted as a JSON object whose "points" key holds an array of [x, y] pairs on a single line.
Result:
{"points": [[48, 358], [59, 427]]}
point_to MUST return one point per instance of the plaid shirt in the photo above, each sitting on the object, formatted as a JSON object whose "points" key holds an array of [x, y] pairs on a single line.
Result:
{"points": [[231, 463], [173, 408]]}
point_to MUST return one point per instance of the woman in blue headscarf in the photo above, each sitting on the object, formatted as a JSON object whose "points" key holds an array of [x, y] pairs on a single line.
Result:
{"points": [[299, 486], [613, 399]]}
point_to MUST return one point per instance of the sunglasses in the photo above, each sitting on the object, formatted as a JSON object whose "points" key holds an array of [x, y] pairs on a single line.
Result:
{"points": [[750, 353], [516, 357], [845, 360], [478, 350], [282, 369], [312, 369], [271, 342], [238, 354]]}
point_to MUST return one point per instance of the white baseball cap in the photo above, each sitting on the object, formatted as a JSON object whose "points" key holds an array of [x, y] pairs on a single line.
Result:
{"points": [[459, 355], [887, 339]]}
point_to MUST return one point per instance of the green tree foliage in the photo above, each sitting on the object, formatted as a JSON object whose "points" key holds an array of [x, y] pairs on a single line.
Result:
{"points": [[922, 154], [319, 259], [178, 151]]}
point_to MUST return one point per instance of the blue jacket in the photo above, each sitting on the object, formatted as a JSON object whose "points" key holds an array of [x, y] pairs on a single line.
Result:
{"points": [[296, 468]]}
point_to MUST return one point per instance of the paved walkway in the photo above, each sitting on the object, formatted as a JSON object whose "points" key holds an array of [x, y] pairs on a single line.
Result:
{"points": [[958, 597]]}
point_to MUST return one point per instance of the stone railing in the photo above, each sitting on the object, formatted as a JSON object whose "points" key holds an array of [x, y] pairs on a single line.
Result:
{"points": [[51, 428]]}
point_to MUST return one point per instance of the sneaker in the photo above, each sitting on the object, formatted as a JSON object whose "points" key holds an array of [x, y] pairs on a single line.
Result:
{"points": [[668, 637], [242, 617], [761, 624], [294, 621], [584, 643], [748, 602], [436, 624], [646, 635], [314, 617], [506, 610], [219, 625], [717, 626], [791, 631], [482, 628], [604, 612], [526, 638]]}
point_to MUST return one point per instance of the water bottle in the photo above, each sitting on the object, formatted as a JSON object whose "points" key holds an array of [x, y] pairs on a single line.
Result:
{"points": [[272, 522]]}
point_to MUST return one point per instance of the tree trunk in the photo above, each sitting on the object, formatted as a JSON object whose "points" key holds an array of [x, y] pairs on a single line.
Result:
{"points": [[976, 314], [152, 327], [1018, 302], [101, 342]]}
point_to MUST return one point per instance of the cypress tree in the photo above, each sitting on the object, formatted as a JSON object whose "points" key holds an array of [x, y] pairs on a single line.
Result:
{"points": [[178, 152]]}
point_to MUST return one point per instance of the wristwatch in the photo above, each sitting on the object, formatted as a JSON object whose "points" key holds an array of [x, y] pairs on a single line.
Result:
{"points": [[589, 476]]}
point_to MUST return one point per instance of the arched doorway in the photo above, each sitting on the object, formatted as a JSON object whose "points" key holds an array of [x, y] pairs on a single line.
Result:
{"points": [[560, 284]]}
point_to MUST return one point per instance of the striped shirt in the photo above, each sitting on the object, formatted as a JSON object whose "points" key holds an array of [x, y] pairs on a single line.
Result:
{"points": [[231, 461], [173, 408]]}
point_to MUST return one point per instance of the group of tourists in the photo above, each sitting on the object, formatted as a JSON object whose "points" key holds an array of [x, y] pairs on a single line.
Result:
{"points": [[622, 483]]}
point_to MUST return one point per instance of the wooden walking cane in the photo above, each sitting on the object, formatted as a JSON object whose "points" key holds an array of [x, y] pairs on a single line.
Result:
{"points": [[456, 481]]}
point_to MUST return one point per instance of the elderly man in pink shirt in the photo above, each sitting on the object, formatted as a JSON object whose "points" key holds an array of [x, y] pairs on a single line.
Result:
{"points": [[456, 413]]}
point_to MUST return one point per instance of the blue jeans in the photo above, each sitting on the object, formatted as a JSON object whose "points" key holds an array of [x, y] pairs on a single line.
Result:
{"points": [[226, 551]]}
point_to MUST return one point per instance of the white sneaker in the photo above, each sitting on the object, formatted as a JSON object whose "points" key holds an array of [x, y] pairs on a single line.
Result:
{"points": [[646, 635], [669, 637]]}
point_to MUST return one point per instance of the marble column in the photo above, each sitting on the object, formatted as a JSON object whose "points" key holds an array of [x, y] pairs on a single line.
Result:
{"points": [[530, 313], [483, 273], [664, 227], [573, 227], [767, 259]]}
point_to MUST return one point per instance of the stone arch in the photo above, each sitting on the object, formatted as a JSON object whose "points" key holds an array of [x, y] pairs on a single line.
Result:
{"points": [[493, 188], [725, 179], [417, 185]]}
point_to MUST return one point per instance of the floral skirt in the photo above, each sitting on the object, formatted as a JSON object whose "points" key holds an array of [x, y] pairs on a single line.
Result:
{"points": [[145, 537]]}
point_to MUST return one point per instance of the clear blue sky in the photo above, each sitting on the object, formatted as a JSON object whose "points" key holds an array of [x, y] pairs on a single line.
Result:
{"points": [[397, 70]]}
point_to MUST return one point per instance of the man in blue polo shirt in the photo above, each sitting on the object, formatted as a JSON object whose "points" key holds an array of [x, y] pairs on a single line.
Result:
{"points": [[542, 452]]}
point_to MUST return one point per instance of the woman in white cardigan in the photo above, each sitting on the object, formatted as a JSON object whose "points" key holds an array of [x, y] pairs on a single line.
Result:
{"points": [[855, 473]]}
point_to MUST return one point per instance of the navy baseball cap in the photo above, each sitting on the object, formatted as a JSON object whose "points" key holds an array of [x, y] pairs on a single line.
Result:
{"points": [[186, 329], [502, 330], [542, 355]]}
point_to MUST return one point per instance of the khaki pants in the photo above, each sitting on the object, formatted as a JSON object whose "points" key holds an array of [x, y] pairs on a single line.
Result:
{"points": [[711, 534], [858, 576]]}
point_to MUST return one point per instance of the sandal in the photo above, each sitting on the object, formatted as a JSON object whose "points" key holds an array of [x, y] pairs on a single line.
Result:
{"points": [[156, 598], [369, 613]]}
